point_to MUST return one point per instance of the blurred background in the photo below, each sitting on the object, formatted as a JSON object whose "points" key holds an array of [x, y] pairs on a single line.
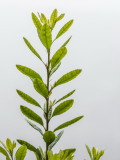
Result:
{"points": [[94, 47]]}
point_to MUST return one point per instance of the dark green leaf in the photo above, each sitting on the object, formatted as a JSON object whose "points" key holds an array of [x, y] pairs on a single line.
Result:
{"points": [[45, 36], [64, 28], [28, 72], [40, 87], [21, 153], [55, 68], [56, 140], [28, 145], [63, 107], [3, 145], [66, 96], [31, 115], [68, 123], [3, 151], [7, 158], [28, 98], [58, 56], [40, 154], [49, 137], [31, 48], [68, 77], [35, 127], [66, 42], [36, 21]]}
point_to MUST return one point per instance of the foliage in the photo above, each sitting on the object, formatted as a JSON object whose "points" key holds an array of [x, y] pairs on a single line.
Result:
{"points": [[44, 28], [66, 154], [8, 150], [51, 108], [94, 154]]}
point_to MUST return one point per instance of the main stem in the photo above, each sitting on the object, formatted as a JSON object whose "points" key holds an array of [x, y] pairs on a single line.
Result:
{"points": [[47, 100]]}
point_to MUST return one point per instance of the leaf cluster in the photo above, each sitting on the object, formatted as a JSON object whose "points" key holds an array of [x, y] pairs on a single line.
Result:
{"points": [[7, 150]]}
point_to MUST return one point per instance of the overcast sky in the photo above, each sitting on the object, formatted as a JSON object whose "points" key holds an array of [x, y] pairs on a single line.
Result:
{"points": [[94, 47]]}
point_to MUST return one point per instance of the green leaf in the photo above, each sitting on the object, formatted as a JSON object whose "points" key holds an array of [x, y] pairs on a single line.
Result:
{"points": [[7, 158], [68, 77], [89, 152], [45, 36], [3, 151], [63, 107], [58, 56], [31, 115], [40, 87], [60, 17], [36, 21], [53, 18], [68, 123], [21, 153], [28, 145], [9, 144], [55, 68], [94, 152], [100, 154], [66, 96], [35, 127], [43, 18], [28, 98], [68, 152], [49, 137], [3, 145], [28, 72], [64, 28], [31, 48], [66, 42], [56, 140]]}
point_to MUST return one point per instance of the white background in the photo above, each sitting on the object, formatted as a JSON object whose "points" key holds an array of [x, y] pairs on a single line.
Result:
{"points": [[94, 48]]}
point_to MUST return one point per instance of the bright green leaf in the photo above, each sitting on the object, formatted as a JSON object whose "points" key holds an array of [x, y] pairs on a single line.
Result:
{"points": [[36, 21], [66, 42], [89, 152], [28, 72], [100, 154], [45, 36], [94, 152], [64, 28], [68, 77], [21, 153], [9, 144], [63, 107], [60, 17], [56, 140], [68, 123], [40, 87], [58, 56], [28, 145], [49, 137], [53, 18], [31, 115], [31, 48], [43, 18], [66, 96], [28, 98]]}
